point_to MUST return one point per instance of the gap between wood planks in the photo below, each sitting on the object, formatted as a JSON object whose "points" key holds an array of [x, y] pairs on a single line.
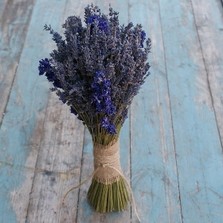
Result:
{"points": [[207, 73]]}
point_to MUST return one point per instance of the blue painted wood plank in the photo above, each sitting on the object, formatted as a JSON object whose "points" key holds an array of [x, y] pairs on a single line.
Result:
{"points": [[85, 212], [60, 155], [222, 3], [209, 23], [154, 170], [156, 174], [198, 147], [59, 162], [2, 8], [15, 17], [18, 133]]}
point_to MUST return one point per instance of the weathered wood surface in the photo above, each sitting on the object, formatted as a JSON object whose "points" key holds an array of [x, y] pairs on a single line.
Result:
{"points": [[196, 135], [14, 21], [153, 166], [171, 144]]}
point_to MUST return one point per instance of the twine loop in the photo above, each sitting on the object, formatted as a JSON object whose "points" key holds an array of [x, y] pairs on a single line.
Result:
{"points": [[107, 169]]}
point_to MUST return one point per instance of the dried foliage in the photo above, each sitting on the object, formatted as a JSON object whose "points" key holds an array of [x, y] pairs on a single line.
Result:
{"points": [[97, 69]]}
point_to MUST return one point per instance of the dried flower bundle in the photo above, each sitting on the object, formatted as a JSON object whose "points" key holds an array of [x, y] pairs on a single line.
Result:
{"points": [[97, 70]]}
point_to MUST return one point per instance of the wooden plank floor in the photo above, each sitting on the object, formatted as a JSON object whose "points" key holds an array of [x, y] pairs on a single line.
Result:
{"points": [[171, 143]]}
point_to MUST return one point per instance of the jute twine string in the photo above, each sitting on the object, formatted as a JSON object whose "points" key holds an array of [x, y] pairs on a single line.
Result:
{"points": [[107, 170], [112, 164], [107, 161]]}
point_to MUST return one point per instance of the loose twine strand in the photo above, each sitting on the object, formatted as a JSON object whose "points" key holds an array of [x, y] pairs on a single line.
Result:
{"points": [[104, 159], [92, 175], [101, 162]]}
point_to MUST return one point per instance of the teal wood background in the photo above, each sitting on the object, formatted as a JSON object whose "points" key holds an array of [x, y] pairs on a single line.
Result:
{"points": [[171, 144]]}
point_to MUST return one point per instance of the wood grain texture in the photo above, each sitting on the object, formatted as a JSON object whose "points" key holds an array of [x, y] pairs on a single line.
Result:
{"points": [[2, 8], [154, 168], [209, 23], [58, 167], [14, 20], [198, 147], [171, 144], [21, 129], [59, 156]]}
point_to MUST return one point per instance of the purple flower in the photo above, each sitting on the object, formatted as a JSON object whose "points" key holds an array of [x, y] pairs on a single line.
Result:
{"points": [[98, 103], [102, 22], [92, 18], [112, 129], [101, 98], [44, 66], [56, 83], [107, 83], [125, 114], [143, 37], [105, 123], [105, 91], [99, 76], [56, 36], [110, 110], [73, 111], [98, 68]]}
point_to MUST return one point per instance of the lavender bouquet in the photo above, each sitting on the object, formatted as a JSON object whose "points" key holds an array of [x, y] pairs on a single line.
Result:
{"points": [[97, 70]]}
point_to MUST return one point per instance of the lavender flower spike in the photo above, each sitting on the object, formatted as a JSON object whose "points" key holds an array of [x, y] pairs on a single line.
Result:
{"points": [[97, 68]]}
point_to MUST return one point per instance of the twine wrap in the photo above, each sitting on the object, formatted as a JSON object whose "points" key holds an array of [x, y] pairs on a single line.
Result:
{"points": [[107, 162], [107, 169]]}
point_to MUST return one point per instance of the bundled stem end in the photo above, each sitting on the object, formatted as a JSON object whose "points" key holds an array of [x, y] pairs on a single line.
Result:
{"points": [[109, 190], [112, 197]]}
